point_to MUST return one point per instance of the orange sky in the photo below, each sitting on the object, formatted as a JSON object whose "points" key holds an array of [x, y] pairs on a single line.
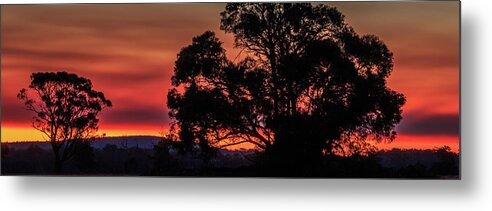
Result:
{"points": [[128, 51]]}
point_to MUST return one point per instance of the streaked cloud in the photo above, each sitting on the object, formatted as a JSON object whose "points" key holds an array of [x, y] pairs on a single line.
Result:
{"points": [[434, 124]]}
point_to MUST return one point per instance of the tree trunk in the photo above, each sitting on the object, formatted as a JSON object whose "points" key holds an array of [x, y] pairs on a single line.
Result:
{"points": [[297, 150]]}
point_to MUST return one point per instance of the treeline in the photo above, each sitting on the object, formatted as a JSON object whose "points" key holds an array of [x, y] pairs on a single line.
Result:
{"points": [[165, 160]]}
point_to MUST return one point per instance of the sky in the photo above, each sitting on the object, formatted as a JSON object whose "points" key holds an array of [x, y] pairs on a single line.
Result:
{"points": [[128, 52]]}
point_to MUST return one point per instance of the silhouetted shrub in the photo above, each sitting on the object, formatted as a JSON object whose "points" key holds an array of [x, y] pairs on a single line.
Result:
{"points": [[84, 159], [5, 150]]}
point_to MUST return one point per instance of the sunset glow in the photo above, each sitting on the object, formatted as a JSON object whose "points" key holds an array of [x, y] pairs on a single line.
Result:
{"points": [[128, 52]]}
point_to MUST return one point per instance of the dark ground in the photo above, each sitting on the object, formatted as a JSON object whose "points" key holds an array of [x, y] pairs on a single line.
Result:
{"points": [[128, 157]]}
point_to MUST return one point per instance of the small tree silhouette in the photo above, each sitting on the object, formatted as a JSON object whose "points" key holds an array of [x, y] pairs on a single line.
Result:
{"points": [[66, 109], [310, 86]]}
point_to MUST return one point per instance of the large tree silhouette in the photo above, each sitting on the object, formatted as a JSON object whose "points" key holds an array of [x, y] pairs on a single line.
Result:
{"points": [[309, 86], [66, 109]]}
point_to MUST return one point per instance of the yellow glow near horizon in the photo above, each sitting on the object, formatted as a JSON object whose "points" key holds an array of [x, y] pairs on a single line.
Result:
{"points": [[21, 134], [125, 132], [17, 134]]}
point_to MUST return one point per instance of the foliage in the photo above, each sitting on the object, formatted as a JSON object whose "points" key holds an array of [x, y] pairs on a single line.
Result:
{"points": [[66, 109], [309, 86], [83, 157], [448, 162]]}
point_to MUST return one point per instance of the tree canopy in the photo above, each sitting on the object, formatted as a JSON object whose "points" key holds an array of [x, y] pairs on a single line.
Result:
{"points": [[66, 109], [309, 85]]}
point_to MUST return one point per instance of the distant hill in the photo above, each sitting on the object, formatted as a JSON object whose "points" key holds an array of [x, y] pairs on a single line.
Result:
{"points": [[142, 142]]}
